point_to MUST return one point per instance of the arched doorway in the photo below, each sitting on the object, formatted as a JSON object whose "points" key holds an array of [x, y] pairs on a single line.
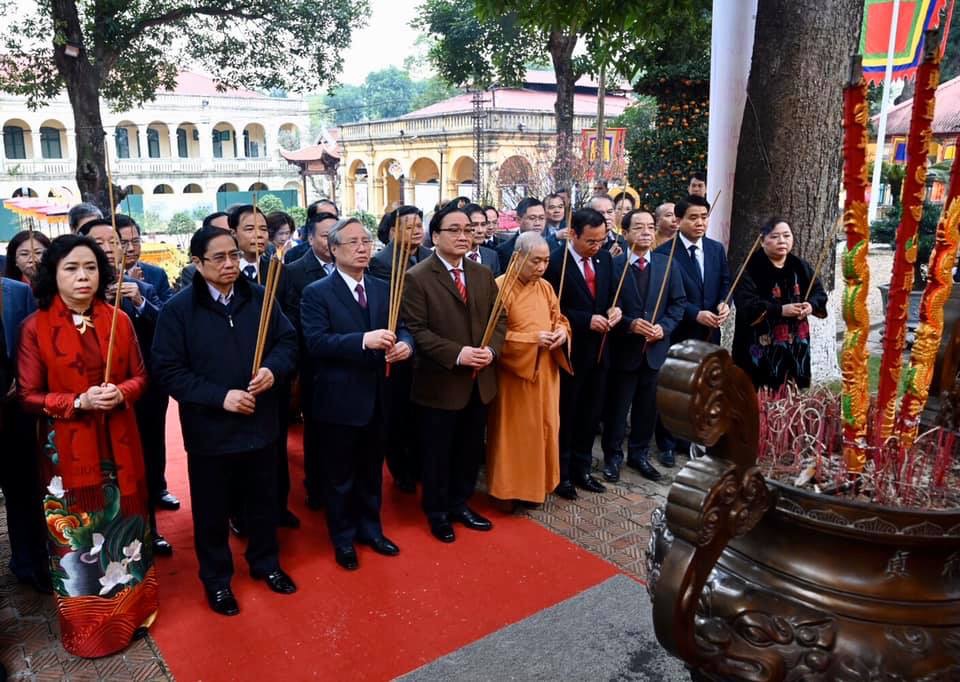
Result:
{"points": [[514, 178]]}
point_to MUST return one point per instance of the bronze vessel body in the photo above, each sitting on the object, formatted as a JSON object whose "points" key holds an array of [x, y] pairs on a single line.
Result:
{"points": [[754, 580]]}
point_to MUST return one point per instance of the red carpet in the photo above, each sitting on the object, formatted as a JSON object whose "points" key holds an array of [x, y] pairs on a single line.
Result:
{"points": [[390, 617]]}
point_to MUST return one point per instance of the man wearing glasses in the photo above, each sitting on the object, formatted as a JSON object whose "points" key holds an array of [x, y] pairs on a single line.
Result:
{"points": [[203, 354], [131, 242], [346, 335], [447, 302], [533, 218], [556, 216], [479, 253]]}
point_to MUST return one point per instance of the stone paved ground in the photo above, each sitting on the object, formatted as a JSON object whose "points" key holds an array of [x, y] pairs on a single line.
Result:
{"points": [[614, 525]]}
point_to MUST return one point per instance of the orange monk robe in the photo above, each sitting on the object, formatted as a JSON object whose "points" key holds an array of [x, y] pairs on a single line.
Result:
{"points": [[523, 429]]}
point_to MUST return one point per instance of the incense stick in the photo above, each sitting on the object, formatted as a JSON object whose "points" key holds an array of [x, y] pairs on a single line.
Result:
{"points": [[566, 241], [616, 297], [823, 255], [743, 267], [116, 299]]}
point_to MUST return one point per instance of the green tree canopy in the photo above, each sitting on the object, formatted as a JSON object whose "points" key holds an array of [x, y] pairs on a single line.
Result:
{"points": [[386, 93]]}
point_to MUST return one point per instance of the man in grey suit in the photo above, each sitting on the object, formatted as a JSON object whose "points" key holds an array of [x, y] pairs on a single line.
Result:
{"points": [[479, 253]]}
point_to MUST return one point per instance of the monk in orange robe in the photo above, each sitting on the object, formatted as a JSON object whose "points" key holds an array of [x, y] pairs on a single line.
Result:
{"points": [[523, 429]]}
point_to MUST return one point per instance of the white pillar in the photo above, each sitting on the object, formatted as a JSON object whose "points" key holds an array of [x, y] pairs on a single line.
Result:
{"points": [[35, 141], [172, 136], [733, 28], [884, 111]]}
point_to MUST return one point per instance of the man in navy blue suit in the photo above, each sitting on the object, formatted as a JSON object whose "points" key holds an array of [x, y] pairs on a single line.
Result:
{"points": [[639, 347], [702, 265], [19, 475], [130, 240], [344, 318], [586, 298], [532, 216]]}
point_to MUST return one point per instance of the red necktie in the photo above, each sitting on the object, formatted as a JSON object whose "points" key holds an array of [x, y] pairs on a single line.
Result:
{"points": [[590, 277], [458, 280], [641, 263]]}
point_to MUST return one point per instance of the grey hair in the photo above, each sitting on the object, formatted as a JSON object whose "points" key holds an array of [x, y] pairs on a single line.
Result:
{"points": [[333, 238], [528, 241], [81, 211], [594, 198]]}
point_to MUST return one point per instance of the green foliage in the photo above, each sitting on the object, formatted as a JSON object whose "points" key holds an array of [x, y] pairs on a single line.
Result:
{"points": [[469, 52], [884, 231], [387, 93], [136, 49], [181, 223], [368, 219], [152, 223], [268, 203], [200, 211], [298, 213]]}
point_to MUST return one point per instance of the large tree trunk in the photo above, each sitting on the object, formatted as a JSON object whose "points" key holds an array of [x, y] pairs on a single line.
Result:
{"points": [[82, 77], [790, 150], [561, 47]]}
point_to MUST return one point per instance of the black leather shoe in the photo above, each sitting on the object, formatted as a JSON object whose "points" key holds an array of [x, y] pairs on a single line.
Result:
{"points": [[442, 531], [642, 464], [223, 602], [237, 528], [278, 581], [405, 485], [588, 482], [566, 490], [168, 502], [611, 473], [667, 459], [347, 557], [161, 547], [288, 519], [472, 520], [382, 545]]}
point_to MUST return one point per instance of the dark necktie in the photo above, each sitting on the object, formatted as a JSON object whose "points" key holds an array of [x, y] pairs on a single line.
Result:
{"points": [[693, 257], [474, 256], [361, 296], [590, 277], [250, 272], [458, 280], [641, 274]]}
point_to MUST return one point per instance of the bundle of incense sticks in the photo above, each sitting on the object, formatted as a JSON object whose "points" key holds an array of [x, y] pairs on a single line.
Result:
{"points": [[566, 241], [266, 310], [510, 278], [402, 248]]}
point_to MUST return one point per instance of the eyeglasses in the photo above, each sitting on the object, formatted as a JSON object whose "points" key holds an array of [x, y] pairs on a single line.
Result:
{"points": [[219, 259], [457, 231], [594, 242], [127, 243], [356, 243]]}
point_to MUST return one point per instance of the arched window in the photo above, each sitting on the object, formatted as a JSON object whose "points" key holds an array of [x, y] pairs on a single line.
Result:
{"points": [[123, 143], [13, 142], [182, 148], [153, 143], [50, 143]]}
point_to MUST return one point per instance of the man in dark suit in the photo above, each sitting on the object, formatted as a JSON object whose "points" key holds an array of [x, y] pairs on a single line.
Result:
{"points": [[215, 219], [702, 265], [203, 352], [532, 216], [130, 241], [447, 302], [140, 302], [345, 330], [19, 472], [297, 276], [614, 242], [249, 225], [639, 347], [586, 298], [313, 210], [479, 253], [556, 209], [402, 452]]}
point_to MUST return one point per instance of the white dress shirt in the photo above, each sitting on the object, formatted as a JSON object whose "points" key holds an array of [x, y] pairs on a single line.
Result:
{"points": [[352, 284], [699, 244], [244, 264], [450, 268], [218, 297], [578, 259], [327, 267]]}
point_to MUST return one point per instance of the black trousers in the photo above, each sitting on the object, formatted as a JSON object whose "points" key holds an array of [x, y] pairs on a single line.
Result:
{"points": [[667, 441], [210, 477], [636, 392], [353, 467], [312, 461], [581, 405], [22, 491], [283, 464], [451, 442], [403, 455], [151, 411]]}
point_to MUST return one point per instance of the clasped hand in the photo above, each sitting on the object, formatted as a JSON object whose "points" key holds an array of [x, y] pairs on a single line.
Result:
{"points": [[552, 340], [104, 397], [478, 358], [652, 332], [386, 340], [715, 320], [601, 324], [798, 310]]}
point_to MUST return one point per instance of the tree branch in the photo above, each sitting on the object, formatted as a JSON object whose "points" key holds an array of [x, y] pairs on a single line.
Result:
{"points": [[186, 12]]}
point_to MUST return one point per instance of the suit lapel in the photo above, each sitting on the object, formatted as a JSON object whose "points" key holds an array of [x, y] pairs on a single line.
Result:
{"points": [[373, 304], [349, 302], [446, 280], [578, 274], [690, 265]]}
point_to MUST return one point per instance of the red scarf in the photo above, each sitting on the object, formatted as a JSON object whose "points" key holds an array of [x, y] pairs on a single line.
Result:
{"points": [[79, 441]]}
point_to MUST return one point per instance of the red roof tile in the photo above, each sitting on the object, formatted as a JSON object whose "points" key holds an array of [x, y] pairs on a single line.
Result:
{"points": [[946, 116]]}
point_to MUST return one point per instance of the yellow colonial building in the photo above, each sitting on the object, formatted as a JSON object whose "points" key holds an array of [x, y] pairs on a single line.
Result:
{"points": [[431, 153]]}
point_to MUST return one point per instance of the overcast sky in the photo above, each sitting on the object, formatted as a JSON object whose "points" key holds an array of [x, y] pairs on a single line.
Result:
{"points": [[386, 40]]}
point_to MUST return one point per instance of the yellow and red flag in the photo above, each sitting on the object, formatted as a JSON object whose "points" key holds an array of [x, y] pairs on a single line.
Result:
{"points": [[913, 18]]}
